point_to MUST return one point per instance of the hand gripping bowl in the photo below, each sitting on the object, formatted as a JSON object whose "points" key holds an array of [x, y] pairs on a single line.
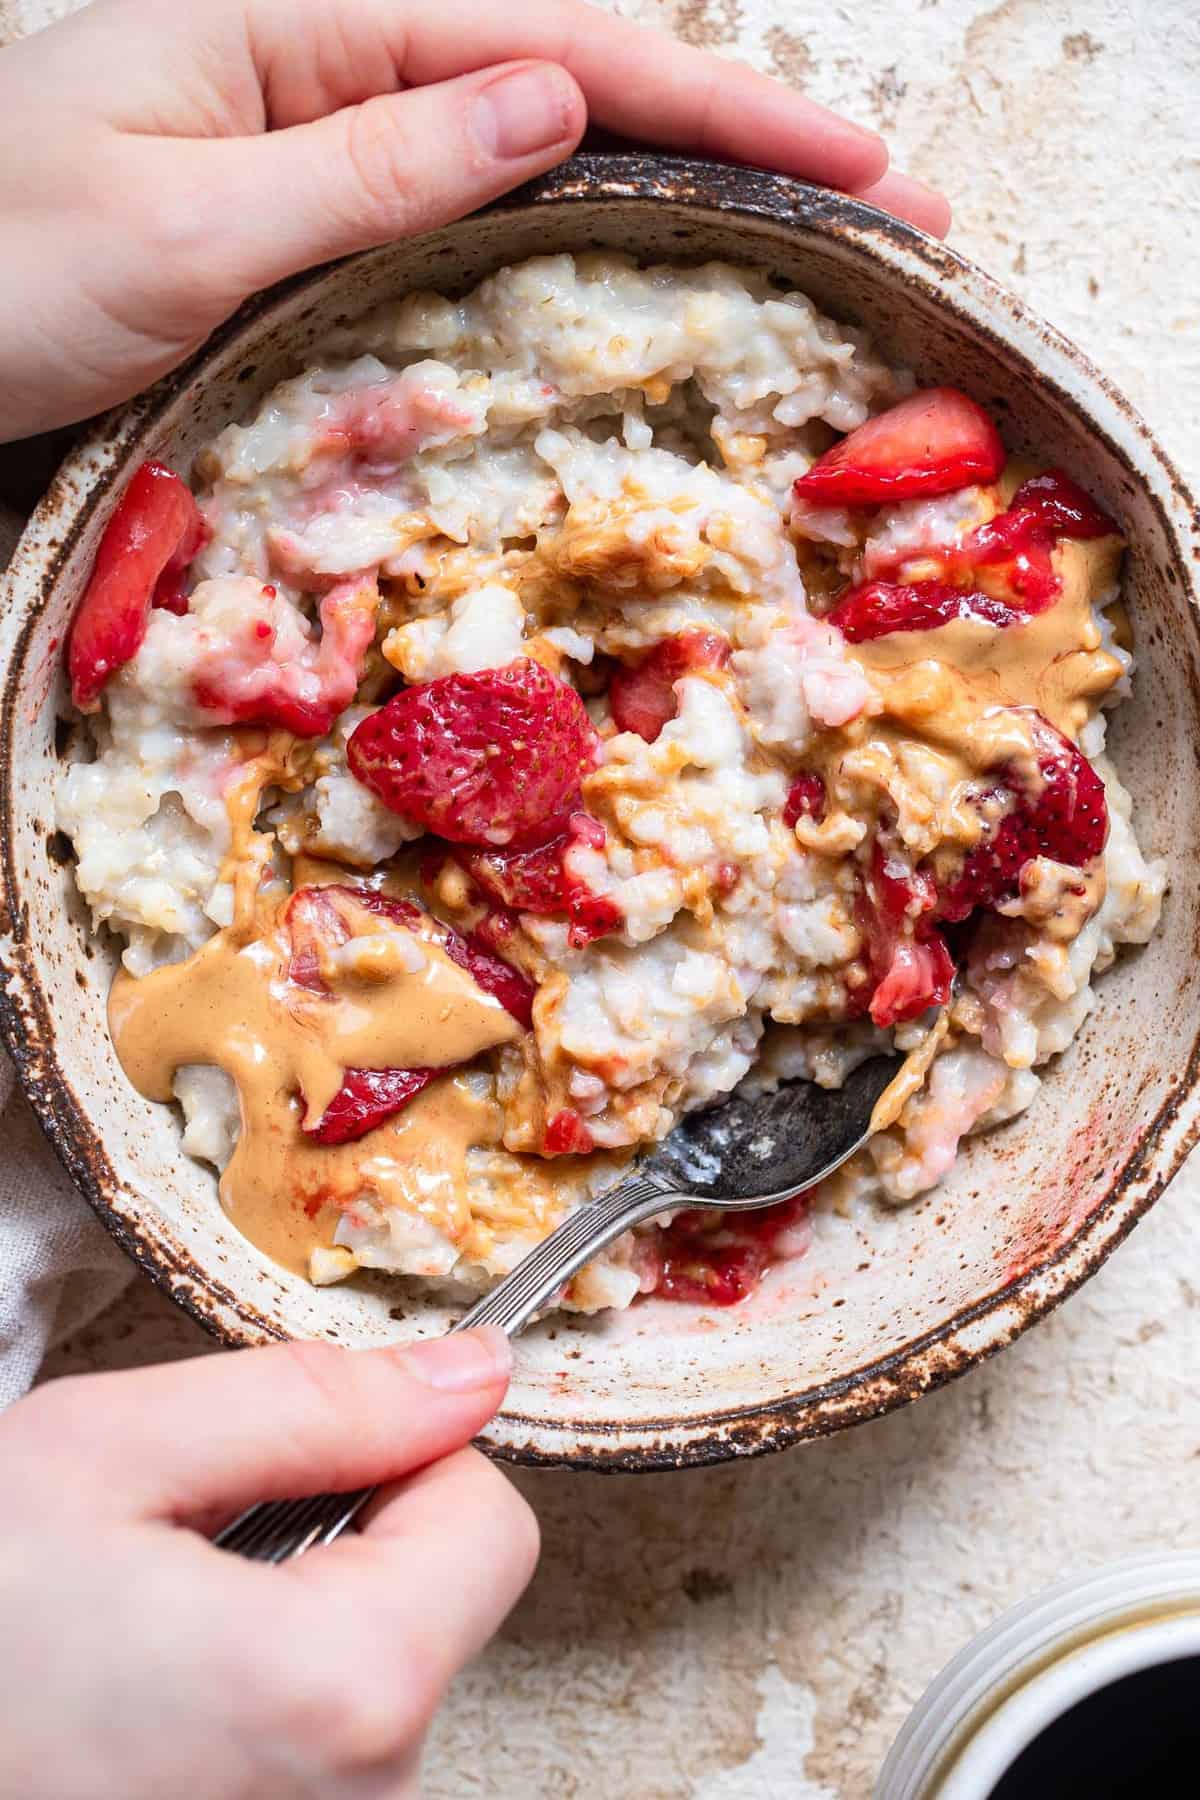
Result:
{"points": [[1030, 1211]]}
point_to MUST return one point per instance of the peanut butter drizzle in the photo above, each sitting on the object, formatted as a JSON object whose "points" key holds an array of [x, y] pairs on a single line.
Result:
{"points": [[909, 1079], [944, 709], [273, 759], [1054, 661], [395, 1001]]}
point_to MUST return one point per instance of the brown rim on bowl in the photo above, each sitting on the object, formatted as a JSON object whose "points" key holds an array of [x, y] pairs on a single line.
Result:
{"points": [[921, 267]]}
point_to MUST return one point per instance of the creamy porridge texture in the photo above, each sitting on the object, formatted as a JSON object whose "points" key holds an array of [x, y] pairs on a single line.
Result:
{"points": [[556, 707]]}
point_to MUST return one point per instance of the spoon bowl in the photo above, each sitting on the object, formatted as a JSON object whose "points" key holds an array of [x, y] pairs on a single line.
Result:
{"points": [[752, 1151]]}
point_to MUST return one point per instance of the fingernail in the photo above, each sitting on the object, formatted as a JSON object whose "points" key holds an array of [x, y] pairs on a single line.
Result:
{"points": [[517, 114], [910, 199], [462, 1362]]}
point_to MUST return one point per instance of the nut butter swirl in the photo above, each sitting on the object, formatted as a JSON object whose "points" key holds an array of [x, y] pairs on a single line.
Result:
{"points": [[1054, 660], [951, 704], [392, 999]]}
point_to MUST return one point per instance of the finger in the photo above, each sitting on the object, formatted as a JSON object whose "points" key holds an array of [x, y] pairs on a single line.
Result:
{"points": [[187, 1440], [907, 198], [395, 165], [419, 1593], [636, 81]]}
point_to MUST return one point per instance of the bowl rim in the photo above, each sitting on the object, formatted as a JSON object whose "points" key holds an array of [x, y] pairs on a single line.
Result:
{"points": [[970, 1335]]}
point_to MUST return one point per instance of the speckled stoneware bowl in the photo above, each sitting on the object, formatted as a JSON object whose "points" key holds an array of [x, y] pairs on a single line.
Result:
{"points": [[1030, 1211]]}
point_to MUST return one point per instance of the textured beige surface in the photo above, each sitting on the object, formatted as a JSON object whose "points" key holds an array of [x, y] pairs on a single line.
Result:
{"points": [[747, 1633]]}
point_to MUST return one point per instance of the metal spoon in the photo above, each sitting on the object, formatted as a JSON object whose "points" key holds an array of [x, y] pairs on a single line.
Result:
{"points": [[743, 1154]]}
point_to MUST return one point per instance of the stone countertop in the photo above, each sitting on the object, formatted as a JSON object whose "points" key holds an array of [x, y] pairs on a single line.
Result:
{"points": [[756, 1631]]}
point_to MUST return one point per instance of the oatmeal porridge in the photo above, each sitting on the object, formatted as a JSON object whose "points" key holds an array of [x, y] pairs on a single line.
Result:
{"points": [[558, 707]]}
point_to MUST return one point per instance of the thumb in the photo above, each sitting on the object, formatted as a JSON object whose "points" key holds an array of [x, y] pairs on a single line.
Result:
{"points": [[192, 1440], [395, 165]]}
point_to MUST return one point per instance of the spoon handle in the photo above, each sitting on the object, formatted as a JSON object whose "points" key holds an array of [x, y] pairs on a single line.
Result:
{"points": [[280, 1529], [584, 1232]]}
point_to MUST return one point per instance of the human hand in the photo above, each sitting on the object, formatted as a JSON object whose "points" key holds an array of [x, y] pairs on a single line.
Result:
{"points": [[140, 1661], [159, 163]]}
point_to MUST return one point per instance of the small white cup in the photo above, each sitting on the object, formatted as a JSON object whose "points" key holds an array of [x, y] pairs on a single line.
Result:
{"points": [[1033, 1665]]}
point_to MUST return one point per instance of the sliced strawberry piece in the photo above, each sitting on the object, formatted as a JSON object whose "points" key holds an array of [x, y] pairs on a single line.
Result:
{"points": [[991, 871], [323, 918], [1022, 539], [170, 590], [719, 1265], [319, 918], [910, 966], [529, 881], [642, 697], [493, 759], [1071, 811], [934, 442], [514, 991], [495, 930], [1061, 504], [152, 536], [367, 1098], [1064, 816], [542, 881], [592, 916], [919, 976], [314, 923], [899, 892], [877, 608], [471, 952], [302, 687], [567, 1135], [711, 1277], [805, 798]]}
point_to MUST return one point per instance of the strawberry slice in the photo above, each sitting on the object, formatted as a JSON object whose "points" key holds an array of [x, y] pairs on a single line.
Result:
{"points": [[1021, 540], [495, 930], [567, 1135], [543, 882], [514, 991], [320, 918], [493, 759], [805, 798], [642, 697], [469, 950], [323, 918], [877, 608], [934, 442], [918, 976], [910, 966], [529, 881], [366, 1098], [1061, 505], [707, 1263], [698, 1275], [151, 538], [1063, 816]]}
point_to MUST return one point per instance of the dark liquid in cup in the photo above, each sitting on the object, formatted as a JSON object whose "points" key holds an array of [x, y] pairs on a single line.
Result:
{"points": [[1137, 1739]]}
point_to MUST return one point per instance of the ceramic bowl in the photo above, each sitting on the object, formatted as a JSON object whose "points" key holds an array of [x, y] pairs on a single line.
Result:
{"points": [[1030, 1211]]}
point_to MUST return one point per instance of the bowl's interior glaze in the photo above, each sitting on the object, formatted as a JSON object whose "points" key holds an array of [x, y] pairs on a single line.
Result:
{"points": [[1026, 1213]]}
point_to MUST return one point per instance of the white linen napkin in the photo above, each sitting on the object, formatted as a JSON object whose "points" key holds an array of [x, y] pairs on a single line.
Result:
{"points": [[58, 1266]]}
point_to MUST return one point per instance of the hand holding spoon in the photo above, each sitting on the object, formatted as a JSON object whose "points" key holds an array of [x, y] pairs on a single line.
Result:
{"points": [[746, 1153]]}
